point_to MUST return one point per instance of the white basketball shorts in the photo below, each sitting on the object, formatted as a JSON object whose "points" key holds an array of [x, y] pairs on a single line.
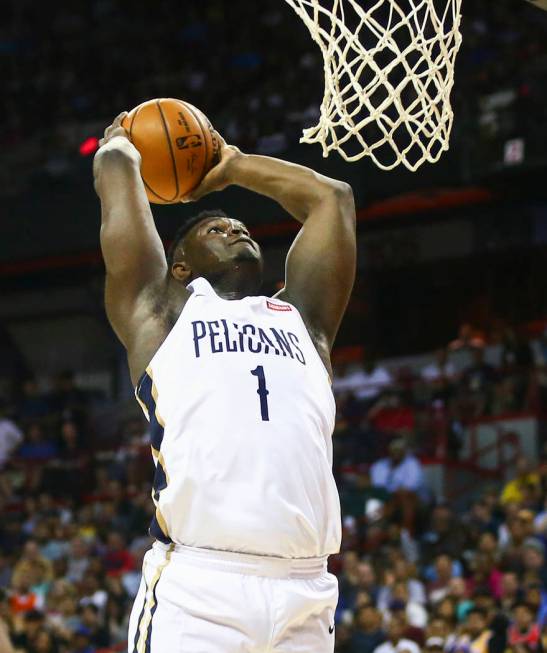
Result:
{"points": [[203, 601]]}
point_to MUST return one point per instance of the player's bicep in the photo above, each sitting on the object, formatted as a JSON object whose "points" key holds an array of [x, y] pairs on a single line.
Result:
{"points": [[320, 268]]}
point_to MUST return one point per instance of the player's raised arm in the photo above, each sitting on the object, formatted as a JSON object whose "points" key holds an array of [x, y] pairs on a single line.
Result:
{"points": [[320, 268], [131, 246]]}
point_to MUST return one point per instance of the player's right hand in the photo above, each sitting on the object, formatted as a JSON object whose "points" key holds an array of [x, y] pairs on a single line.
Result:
{"points": [[116, 138], [114, 142]]}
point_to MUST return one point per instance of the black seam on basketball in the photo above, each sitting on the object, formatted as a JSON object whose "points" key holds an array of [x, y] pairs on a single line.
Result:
{"points": [[163, 199], [197, 118], [133, 122], [168, 137]]}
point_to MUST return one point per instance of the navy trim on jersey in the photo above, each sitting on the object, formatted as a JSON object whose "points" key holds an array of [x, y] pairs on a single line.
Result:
{"points": [[155, 531], [160, 480], [144, 392]]}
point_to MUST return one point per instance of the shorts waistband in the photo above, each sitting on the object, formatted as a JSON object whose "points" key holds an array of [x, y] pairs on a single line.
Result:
{"points": [[244, 563]]}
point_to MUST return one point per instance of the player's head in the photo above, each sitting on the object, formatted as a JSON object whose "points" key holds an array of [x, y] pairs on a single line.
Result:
{"points": [[214, 246]]}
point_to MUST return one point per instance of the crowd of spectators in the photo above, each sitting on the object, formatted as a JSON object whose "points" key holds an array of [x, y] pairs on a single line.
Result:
{"points": [[416, 572], [251, 66]]}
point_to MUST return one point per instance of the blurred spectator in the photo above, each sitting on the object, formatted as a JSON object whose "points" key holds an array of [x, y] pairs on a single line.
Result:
{"points": [[36, 446], [81, 640], [399, 471], [10, 436], [434, 645], [468, 338], [67, 400], [33, 621], [443, 534], [533, 560], [91, 619], [540, 360], [517, 353], [396, 643], [442, 368], [78, 559], [510, 590], [32, 404], [43, 642], [366, 382], [415, 613], [401, 572], [392, 414], [93, 592], [443, 571], [117, 558], [515, 490], [401, 475], [117, 621], [476, 386], [475, 634], [22, 598], [354, 499], [368, 633], [459, 594], [523, 631]]}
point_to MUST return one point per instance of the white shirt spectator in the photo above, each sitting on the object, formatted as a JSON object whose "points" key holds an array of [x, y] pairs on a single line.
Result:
{"points": [[98, 599], [416, 614], [434, 371], [402, 646], [10, 437], [416, 594], [407, 475], [362, 384]]}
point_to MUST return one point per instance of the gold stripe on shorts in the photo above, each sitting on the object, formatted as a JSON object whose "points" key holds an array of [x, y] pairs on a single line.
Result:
{"points": [[145, 621]]}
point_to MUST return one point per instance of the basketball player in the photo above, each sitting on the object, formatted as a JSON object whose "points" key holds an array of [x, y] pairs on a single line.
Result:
{"points": [[236, 388]]}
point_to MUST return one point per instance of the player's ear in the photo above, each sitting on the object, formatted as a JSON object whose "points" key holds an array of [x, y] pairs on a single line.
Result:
{"points": [[181, 271]]}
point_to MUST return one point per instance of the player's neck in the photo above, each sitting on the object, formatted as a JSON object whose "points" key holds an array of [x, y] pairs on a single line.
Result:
{"points": [[236, 283], [234, 288]]}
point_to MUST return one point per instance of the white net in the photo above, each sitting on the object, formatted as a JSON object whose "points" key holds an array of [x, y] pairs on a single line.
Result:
{"points": [[389, 72]]}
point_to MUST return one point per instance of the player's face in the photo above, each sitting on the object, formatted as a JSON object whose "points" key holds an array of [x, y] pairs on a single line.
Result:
{"points": [[215, 243]]}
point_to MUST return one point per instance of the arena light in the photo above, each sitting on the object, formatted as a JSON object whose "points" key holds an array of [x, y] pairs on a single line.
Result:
{"points": [[89, 146]]}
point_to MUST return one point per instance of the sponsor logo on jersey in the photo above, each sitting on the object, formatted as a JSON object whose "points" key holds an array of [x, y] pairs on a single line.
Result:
{"points": [[278, 307]]}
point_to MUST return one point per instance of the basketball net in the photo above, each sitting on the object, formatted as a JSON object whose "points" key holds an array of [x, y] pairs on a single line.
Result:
{"points": [[389, 72]]}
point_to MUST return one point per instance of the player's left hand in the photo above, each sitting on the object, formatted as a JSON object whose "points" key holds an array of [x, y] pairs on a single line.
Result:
{"points": [[218, 178]]}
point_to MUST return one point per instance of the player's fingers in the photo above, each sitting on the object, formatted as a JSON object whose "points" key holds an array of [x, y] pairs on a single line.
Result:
{"points": [[118, 131], [111, 132], [221, 141], [196, 194], [209, 184], [118, 119]]}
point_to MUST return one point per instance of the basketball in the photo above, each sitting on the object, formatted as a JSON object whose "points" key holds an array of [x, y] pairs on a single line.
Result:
{"points": [[177, 144]]}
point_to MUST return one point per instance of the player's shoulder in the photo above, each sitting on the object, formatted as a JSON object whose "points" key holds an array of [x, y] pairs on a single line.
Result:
{"points": [[282, 297]]}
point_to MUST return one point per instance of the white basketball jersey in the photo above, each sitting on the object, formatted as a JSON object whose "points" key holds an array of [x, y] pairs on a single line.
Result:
{"points": [[241, 415]]}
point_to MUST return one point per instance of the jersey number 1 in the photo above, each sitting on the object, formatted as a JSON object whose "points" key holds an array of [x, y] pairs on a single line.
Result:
{"points": [[262, 392]]}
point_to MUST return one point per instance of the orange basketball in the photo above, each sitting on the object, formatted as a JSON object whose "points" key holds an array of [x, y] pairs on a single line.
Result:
{"points": [[177, 144]]}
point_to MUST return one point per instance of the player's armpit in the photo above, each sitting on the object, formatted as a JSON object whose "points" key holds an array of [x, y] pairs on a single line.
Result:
{"points": [[320, 268]]}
